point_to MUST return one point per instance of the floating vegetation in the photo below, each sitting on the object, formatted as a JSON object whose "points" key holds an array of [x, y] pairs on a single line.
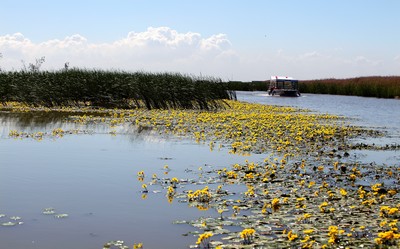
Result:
{"points": [[13, 221], [120, 244], [49, 211], [295, 202], [61, 216], [303, 195], [115, 244], [52, 211]]}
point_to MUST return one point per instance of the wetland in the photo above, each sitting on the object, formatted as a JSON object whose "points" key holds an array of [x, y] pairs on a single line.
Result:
{"points": [[319, 171]]}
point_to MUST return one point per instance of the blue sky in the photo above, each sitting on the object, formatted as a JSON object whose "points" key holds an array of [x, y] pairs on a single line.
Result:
{"points": [[230, 39]]}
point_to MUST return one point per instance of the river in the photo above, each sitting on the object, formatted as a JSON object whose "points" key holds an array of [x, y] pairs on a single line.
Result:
{"points": [[92, 177]]}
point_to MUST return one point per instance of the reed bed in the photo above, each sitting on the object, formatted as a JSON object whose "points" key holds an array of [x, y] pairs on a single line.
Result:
{"points": [[77, 87], [377, 86]]}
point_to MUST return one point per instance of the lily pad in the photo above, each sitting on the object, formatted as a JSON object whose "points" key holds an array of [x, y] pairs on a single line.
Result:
{"points": [[48, 211], [60, 216], [15, 218], [9, 224]]}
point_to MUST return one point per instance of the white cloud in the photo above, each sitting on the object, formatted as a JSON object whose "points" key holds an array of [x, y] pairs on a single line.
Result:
{"points": [[166, 49], [156, 49], [362, 60]]}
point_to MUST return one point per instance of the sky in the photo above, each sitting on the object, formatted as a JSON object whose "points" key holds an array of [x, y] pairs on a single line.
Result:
{"points": [[242, 40]]}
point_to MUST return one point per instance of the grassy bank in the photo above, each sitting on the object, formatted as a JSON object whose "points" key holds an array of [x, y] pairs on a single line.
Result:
{"points": [[380, 87], [112, 89]]}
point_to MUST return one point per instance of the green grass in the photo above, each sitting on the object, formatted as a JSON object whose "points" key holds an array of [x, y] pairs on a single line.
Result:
{"points": [[75, 87], [380, 87]]}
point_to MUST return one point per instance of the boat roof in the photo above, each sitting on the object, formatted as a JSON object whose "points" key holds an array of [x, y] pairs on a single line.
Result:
{"points": [[281, 78]]}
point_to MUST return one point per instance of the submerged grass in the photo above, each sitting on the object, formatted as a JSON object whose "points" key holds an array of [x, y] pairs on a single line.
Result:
{"points": [[76, 87]]}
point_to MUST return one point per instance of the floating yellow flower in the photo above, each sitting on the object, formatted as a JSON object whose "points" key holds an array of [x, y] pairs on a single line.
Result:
{"points": [[204, 239], [291, 236], [144, 187], [138, 246], [323, 206], [247, 235], [275, 204], [308, 231]]}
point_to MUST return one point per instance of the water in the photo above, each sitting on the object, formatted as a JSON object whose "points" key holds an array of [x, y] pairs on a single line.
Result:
{"points": [[93, 177], [369, 112], [373, 113]]}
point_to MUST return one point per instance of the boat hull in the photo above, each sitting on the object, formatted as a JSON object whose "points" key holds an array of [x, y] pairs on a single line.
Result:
{"points": [[285, 93]]}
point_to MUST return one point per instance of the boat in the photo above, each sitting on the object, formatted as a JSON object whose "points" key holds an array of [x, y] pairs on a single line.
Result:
{"points": [[283, 86]]}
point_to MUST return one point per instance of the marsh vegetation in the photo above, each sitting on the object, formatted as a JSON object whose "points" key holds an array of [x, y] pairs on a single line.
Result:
{"points": [[304, 193], [379, 87], [77, 87]]}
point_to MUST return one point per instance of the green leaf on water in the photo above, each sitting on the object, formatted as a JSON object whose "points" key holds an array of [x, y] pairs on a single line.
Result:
{"points": [[48, 211], [60, 216], [15, 218], [8, 224]]}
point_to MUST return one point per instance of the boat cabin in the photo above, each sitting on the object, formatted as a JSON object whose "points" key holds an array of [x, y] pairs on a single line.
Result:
{"points": [[283, 86]]}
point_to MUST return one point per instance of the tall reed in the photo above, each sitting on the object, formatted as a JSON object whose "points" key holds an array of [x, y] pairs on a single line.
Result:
{"points": [[377, 86], [113, 89]]}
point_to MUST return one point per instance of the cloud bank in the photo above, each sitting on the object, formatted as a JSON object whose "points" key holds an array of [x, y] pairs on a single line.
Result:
{"points": [[164, 49]]}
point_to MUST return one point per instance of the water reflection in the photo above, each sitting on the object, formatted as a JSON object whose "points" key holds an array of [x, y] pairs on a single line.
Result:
{"points": [[45, 122], [94, 178]]}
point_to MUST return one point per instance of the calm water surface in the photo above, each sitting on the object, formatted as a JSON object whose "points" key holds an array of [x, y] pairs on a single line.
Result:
{"points": [[374, 113], [92, 177]]}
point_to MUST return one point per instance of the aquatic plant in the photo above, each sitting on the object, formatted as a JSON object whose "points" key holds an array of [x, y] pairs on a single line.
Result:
{"points": [[78, 87], [204, 240], [247, 235], [374, 86], [344, 194]]}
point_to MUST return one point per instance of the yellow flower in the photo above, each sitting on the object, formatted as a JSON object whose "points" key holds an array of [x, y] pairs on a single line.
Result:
{"points": [[275, 204], [305, 239], [376, 187], [247, 235], [138, 246], [291, 236], [204, 239], [322, 206]]}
